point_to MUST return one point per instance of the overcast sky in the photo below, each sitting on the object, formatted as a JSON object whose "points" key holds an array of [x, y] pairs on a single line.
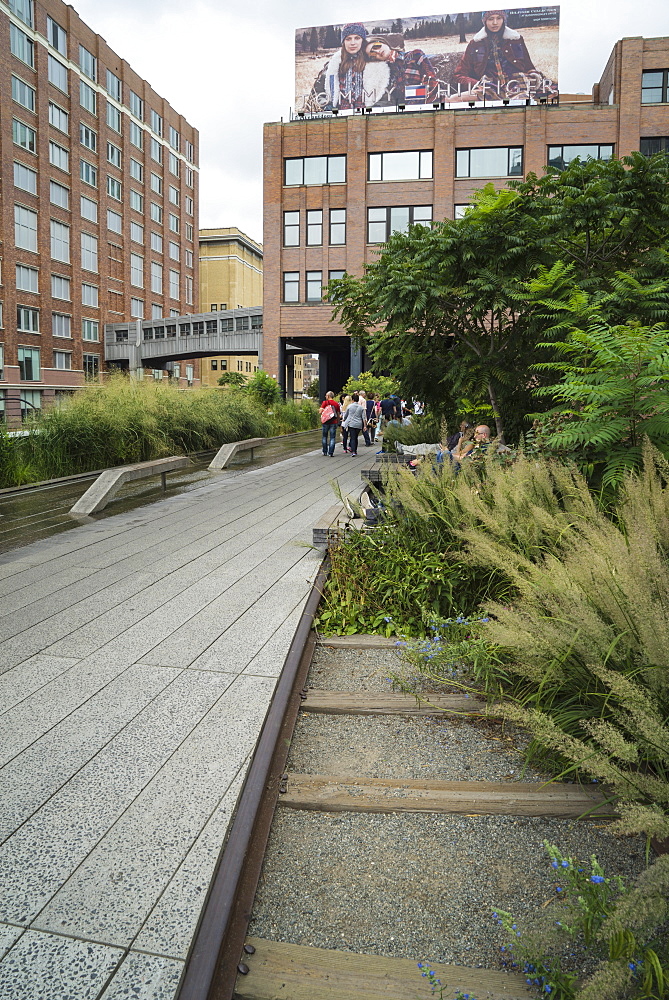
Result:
{"points": [[228, 67]]}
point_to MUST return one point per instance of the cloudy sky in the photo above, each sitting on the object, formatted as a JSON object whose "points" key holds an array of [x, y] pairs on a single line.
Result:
{"points": [[228, 67]]}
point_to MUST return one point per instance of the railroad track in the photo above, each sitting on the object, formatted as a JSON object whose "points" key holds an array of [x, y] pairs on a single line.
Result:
{"points": [[321, 955]]}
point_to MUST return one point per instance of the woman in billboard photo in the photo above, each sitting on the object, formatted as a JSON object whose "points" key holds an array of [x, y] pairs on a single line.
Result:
{"points": [[497, 53], [341, 83]]}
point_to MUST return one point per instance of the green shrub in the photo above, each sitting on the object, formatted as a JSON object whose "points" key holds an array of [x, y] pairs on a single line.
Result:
{"points": [[264, 388], [424, 429], [289, 417]]}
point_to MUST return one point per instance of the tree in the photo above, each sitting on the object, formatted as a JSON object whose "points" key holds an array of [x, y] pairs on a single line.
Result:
{"points": [[372, 384], [234, 380], [314, 389], [450, 311], [313, 42], [264, 388]]}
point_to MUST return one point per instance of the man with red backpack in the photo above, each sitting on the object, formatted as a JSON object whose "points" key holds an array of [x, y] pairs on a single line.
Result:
{"points": [[330, 413]]}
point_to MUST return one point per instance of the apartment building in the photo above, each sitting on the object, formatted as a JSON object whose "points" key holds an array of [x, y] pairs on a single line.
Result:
{"points": [[336, 186], [99, 202]]}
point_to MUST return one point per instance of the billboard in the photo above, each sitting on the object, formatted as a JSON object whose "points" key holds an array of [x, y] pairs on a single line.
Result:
{"points": [[491, 55]]}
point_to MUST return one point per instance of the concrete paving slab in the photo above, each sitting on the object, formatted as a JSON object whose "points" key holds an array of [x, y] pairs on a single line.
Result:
{"points": [[121, 769]]}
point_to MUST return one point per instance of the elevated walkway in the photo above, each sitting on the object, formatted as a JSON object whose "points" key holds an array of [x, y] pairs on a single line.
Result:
{"points": [[138, 656]]}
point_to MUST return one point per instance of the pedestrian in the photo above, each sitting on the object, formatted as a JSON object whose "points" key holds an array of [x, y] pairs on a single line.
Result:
{"points": [[355, 420], [370, 429], [346, 402], [387, 409], [330, 413]]}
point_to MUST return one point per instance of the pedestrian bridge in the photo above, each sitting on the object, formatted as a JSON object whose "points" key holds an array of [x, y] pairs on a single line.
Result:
{"points": [[155, 343]]}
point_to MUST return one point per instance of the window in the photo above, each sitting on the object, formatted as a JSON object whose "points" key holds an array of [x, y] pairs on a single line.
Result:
{"points": [[214, 365], [136, 232], [136, 201], [137, 308], [136, 270], [291, 229], [87, 97], [256, 322], [24, 136], [174, 284], [26, 278], [561, 156], [315, 170], [114, 221], [156, 183], [87, 137], [242, 323], [190, 373], [157, 242], [60, 287], [459, 211], [173, 195], [113, 117], [60, 242], [59, 156], [90, 329], [29, 364], [156, 212], [30, 401], [57, 74], [25, 228], [501, 161], [189, 290], [136, 135], [89, 252], [314, 227], [113, 155], [56, 36], [189, 177], [189, 205], [157, 278], [407, 166], [156, 151], [61, 325], [21, 46], [23, 93], [174, 164], [89, 295], [62, 360], [27, 319], [173, 222], [314, 286], [658, 144], [136, 170], [88, 173], [337, 227], [156, 123], [381, 222], [113, 188], [227, 325], [25, 178], [113, 86], [174, 138], [335, 275], [291, 286], [174, 251], [91, 364], [188, 257], [23, 10], [156, 313], [654, 86], [89, 209], [88, 63], [136, 105], [59, 118], [189, 237]]}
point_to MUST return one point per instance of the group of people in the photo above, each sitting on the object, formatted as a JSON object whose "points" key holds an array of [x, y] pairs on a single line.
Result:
{"points": [[360, 412], [367, 70]]}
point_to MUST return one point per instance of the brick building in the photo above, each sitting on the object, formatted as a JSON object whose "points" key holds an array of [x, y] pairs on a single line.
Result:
{"points": [[336, 186], [99, 202]]}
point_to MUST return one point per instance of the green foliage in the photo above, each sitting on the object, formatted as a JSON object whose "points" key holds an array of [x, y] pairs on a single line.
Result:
{"points": [[264, 388], [233, 379], [371, 384], [424, 429], [314, 389], [289, 417]]}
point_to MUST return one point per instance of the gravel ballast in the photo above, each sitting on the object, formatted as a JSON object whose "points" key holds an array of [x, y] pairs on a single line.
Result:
{"points": [[353, 669]]}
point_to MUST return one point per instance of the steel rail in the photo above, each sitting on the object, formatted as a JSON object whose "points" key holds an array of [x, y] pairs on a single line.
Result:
{"points": [[211, 967]]}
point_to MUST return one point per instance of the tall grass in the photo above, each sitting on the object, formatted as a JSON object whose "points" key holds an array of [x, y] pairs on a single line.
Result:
{"points": [[290, 417]]}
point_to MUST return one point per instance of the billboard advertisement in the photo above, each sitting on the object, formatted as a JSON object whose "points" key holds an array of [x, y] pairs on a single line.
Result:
{"points": [[490, 55]]}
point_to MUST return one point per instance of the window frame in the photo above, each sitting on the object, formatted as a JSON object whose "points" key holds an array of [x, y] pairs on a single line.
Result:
{"points": [[61, 187], [22, 131], [290, 283], [387, 223], [56, 240], [377, 165], [578, 145], [664, 86], [332, 224], [309, 281], [30, 89], [57, 74], [329, 170], [314, 228], [29, 171], [488, 149]]}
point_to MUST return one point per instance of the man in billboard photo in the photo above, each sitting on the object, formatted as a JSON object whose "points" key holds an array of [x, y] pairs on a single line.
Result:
{"points": [[410, 76], [495, 56]]}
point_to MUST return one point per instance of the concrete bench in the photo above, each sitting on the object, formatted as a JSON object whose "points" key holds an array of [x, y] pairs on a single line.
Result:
{"points": [[335, 522], [110, 481], [227, 452]]}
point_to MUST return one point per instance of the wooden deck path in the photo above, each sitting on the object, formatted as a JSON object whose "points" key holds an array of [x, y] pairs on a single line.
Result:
{"points": [[138, 655]]}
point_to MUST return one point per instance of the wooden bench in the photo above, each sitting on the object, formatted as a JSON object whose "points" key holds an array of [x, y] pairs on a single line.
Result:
{"points": [[98, 495], [227, 452], [333, 524]]}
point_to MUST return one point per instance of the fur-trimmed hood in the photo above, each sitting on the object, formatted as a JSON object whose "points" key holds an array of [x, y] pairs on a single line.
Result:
{"points": [[507, 34], [375, 80]]}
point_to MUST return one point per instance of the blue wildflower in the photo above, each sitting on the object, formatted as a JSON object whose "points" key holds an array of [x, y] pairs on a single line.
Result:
{"points": [[597, 878], [554, 864], [565, 864]]}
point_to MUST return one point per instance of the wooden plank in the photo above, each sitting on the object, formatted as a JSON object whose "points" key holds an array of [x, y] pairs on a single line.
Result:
{"points": [[280, 971], [390, 703], [329, 793], [360, 641]]}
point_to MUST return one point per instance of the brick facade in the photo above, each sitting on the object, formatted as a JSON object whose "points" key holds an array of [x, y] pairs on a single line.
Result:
{"points": [[615, 116], [113, 277]]}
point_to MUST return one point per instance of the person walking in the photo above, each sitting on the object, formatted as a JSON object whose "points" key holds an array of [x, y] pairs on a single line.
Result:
{"points": [[370, 416], [346, 402], [330, 413], [355, 420]]}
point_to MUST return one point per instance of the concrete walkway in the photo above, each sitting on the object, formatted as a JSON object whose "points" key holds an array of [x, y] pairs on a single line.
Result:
{"points": [[138, 656]]}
